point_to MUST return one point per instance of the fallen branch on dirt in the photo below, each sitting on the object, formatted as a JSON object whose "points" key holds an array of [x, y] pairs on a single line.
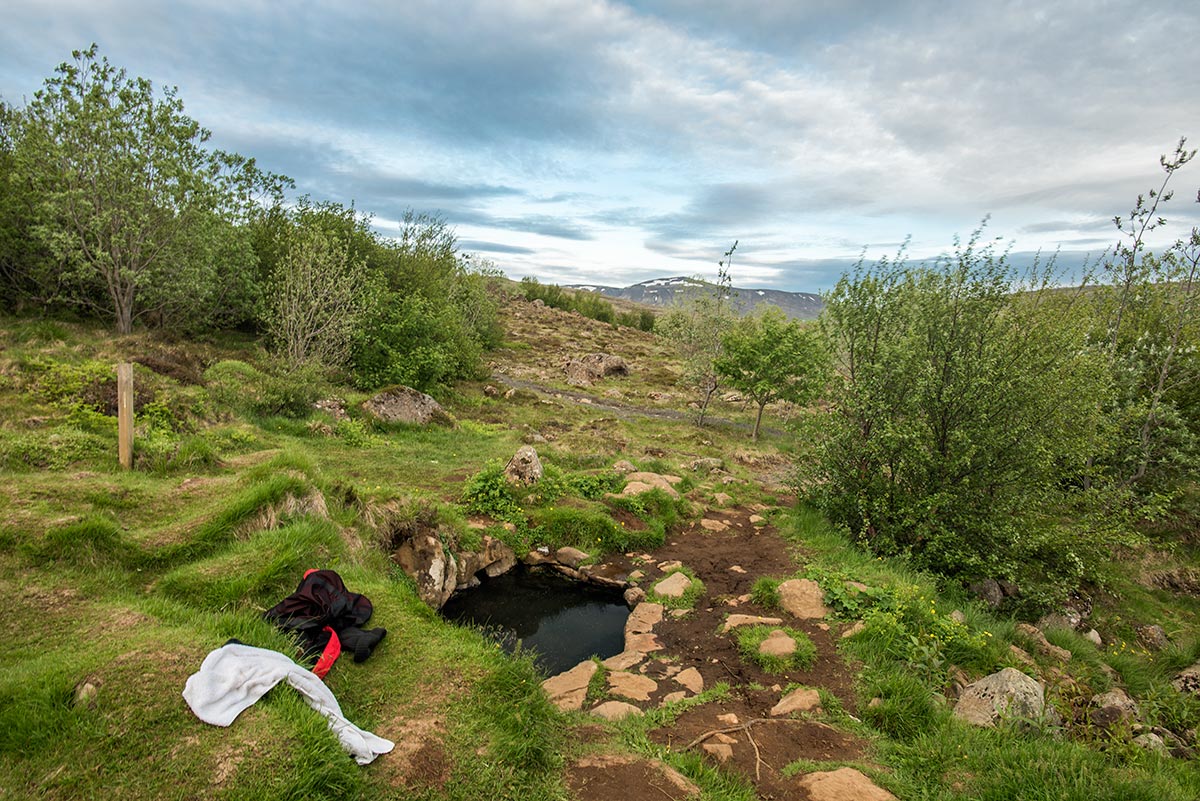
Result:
{"points": [[740, 727]]}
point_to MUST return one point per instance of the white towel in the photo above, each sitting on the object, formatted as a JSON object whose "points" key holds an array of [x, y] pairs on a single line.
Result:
{"points": [[235, 676]]}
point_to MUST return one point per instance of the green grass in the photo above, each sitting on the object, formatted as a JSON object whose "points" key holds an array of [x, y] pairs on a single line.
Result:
{"points": [[693, 593], [749, 638]]}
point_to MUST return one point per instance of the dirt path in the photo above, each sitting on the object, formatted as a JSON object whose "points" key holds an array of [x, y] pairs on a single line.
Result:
{"points": [[729, 562]]}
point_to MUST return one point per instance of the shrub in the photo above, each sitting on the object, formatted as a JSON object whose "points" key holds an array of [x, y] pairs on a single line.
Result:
{"points": [[765, 592]]}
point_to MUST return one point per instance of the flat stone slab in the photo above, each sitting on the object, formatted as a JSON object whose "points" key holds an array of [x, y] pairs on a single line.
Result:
{"points": [[855, 629], [643, 618], [691, 679], [673, 586], [615, 710], [624, 660], [733, 621], [645, 643], [803, 599], [571, 557], [843, 784], [778, 643], [631, 685], [713, 525], [669, 698], [567, 690], [801, 700]]}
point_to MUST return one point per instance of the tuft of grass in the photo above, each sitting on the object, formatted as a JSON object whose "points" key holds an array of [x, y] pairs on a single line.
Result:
{"points": [[93, 541], [906, 708], [765, 592], [749, 638]]}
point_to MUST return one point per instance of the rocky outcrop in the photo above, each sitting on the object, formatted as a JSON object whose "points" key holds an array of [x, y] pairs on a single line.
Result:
{"points": [[407, 405], [524, 468], [494, 558], [434, 570], [1007, 694], [586, 370]]}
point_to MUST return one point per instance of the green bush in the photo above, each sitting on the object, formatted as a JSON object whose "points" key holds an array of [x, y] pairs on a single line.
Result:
{"points": [[489, 493], [765, 592]]}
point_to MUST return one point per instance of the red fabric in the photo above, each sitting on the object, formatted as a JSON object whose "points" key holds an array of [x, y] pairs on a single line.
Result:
{"points": [[310, 571], [330, 655]]}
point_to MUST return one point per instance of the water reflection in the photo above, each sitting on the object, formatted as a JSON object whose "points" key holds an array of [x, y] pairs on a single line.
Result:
{"points": [[563, 621]]}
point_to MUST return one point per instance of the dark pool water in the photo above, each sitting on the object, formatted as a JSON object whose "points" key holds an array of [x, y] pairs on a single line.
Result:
{"points": [[563, 621]]}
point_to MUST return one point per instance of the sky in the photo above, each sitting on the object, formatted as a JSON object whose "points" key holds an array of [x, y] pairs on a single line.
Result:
{"points": [[585, 141]]}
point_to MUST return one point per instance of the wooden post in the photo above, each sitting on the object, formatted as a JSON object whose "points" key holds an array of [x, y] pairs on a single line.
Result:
{"points": [[125, 414]]}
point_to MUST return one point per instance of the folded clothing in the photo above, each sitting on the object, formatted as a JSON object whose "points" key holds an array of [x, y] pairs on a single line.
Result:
{"points": [[233, 677]]}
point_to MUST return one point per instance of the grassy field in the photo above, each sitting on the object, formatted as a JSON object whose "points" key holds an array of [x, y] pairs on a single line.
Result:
{"points": [[117, 583]]}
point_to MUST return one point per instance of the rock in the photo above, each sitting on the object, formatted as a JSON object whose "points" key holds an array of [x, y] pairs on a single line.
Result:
{"points": [[568, 690], [538, 303], [495, 558], [733, 621], [631, 685], [1042, 645], [643, 618], [615, 710], [671, 698], [958, 617], [706, 464], [86, 694], [435, 571], [721, 751], [855, 629], [777, 643], [803, 599], [722, 499], [724, 738], [729, 719], [624, 660], [1188, 680], [407, 405], [624, 467], [1022, 657], [571, 557], [804, 699], [524, 467], [586, 370], [1153, 637], [691, 679], [667, 567], [334, 407], [713, 525], [634, 596], [757, 520], [989, 591], [843, 784], [673, 586], [1066, 618], [491, 391], [1152, 742], [646, 643], [737, 569], [1093, 636], [1008, 693], [1114, 706], [637, 483]]}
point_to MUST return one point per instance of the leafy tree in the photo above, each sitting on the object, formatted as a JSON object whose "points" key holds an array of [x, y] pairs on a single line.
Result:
{"points": [[1150, 308], [771, 358], [698, 328], [131, 205], [318, 297], [966, 403]]}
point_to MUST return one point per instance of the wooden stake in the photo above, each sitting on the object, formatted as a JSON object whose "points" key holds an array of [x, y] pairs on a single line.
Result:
{"points": [[125, 414]]}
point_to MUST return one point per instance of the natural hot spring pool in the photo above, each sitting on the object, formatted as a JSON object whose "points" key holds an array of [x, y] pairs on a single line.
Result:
{"points": [[564, 621]]}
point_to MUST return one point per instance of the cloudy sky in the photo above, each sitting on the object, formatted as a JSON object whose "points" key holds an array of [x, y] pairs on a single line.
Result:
{"points": [[612, 142]]}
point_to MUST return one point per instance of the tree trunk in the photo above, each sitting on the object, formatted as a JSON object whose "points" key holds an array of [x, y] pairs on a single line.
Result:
{"points": [[758, 420]]}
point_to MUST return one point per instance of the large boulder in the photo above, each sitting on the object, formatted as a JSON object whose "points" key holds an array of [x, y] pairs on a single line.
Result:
{"points": [[586, 370], [494, 558], [1004, 695], [407, 405], [434, 570], [524, 467]]}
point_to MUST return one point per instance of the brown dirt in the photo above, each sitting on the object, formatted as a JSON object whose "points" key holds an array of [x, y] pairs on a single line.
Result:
{"points": [[693, 641]]}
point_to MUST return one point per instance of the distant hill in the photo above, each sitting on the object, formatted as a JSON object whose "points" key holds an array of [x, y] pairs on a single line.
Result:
{"points": [[669, 291]]}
